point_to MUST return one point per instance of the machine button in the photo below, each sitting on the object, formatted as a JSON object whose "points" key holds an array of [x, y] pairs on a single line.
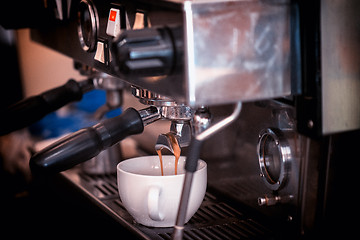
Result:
{"points": [[113, 24], [62, 9], [100, 54], [141, 21]]}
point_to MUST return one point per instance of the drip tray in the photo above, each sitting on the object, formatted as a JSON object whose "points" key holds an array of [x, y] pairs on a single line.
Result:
{"points": [[214, 220]]}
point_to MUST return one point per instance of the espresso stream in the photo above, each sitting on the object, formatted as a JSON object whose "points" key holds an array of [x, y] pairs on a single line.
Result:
{"points": [[175, 146]]}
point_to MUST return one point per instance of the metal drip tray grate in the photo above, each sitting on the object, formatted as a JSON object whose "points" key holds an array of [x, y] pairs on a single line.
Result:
{"points": [[214, 220]]}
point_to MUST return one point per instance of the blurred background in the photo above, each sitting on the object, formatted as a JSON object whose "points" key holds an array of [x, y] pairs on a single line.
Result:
{"points": [[29, 69]]}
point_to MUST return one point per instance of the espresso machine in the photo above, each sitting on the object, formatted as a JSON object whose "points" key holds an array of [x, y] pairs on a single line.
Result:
{"points": [[265, 91]]}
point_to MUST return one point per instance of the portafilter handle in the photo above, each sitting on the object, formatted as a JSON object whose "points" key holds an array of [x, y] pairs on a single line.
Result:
{"points": [[34, 108], [89, 142]]}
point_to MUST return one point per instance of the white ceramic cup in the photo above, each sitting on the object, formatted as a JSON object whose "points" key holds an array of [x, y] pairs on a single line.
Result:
{"points": [[153, 200]]}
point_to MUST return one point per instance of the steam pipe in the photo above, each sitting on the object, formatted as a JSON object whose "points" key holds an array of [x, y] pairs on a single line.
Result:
{"points": [[191, 165]]}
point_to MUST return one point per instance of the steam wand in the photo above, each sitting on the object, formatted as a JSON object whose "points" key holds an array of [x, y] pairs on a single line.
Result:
{"points": [[191, 165]]}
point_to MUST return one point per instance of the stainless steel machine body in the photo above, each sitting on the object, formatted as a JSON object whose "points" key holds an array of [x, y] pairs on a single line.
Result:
{"points": [[274, 160], [243, 43]]}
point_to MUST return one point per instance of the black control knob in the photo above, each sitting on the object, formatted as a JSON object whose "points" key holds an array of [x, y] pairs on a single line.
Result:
{"points": [[146, 52]]}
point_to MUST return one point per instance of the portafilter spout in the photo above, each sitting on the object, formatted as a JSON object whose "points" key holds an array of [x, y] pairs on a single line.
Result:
{"points": [[191, 165], [165, 141], [179, 135]]}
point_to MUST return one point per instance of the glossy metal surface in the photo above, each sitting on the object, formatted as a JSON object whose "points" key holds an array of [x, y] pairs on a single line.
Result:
{"points": [[236, 50], [274, 155], [88, 24], [340, 60], [229, 50]]}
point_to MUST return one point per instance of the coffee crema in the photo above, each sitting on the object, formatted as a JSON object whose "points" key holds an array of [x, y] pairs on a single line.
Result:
{"points": [[177, 151]]}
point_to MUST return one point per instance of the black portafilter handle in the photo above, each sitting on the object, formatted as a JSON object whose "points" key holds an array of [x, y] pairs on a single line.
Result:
{"points": [[88, 142], [32, 109]]}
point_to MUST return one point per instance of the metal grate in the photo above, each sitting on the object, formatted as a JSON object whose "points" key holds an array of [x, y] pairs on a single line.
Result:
{"points": [[218, 220], [244, 189], [101, 186], [214, 220]]}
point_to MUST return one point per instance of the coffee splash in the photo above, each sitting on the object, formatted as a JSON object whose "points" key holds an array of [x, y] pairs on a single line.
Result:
{"points": [[177, 151]]}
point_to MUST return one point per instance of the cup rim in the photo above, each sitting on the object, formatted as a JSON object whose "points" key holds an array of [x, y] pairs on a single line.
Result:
{"points": [[203, 168]]}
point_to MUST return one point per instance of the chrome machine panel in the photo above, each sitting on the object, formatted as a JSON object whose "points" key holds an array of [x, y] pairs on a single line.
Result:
{"points": [[215, 52]]}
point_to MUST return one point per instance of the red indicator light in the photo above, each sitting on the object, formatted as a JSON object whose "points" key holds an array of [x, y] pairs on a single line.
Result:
{"points": [[112, 16]]}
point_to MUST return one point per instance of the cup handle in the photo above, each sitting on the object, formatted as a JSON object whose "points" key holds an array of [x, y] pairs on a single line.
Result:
{"points": [[153, 203]]}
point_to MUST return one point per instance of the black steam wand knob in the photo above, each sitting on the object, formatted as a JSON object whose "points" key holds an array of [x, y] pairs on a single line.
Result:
{"points": [[147, 52]]}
